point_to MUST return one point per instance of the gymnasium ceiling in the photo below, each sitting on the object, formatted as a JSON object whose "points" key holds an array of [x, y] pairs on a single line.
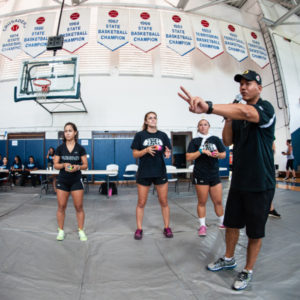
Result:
{"points": [[293, 6]]}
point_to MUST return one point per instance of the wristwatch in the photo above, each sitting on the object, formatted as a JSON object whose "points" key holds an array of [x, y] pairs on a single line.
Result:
{"points": [[210, 107]]}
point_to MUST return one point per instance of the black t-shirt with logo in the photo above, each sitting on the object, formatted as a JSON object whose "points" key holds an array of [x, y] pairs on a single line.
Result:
{"points": [[50, 159], [253, 159], [74, 158], [4, 167], [206, 166], [151, 166], [31, 166], [17, 165]]}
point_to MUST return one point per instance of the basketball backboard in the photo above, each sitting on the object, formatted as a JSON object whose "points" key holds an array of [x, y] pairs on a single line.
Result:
{"points": [[52, 82]]}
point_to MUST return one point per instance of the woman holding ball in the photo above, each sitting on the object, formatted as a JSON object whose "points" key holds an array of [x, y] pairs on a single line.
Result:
{"points": [[70, 158], [206, 150], [151, 146]]}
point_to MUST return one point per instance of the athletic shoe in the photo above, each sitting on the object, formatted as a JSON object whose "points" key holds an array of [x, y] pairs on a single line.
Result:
{"points": [[242, 280], [202, 231], [222, 226], [294, 178], [168, 232], [82, 235], [138, 234], [60, 235], [221, 264], [273, 213], [286, 178]]}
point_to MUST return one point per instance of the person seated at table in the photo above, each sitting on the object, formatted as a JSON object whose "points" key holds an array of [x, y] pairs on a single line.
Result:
{"points": [[50, 163], [0, 159], [205, 150], [16, 169], [30, 166], [50, 157], [4, 166]]}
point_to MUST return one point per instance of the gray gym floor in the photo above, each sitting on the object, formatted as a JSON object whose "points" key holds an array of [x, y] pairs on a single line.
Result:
{"points": [[112, 265]]}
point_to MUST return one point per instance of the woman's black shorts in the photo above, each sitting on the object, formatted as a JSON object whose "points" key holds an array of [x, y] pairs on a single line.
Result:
{"points": [[69, 185], [150, 180], [248, 209], [290, 164], [206, 181]]}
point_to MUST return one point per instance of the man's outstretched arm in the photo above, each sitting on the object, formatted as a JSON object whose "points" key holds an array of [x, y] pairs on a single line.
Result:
{"points": [[235, 111]]}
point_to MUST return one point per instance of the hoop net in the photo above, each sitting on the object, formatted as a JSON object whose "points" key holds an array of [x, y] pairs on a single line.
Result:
{"points": [[44, 85]]}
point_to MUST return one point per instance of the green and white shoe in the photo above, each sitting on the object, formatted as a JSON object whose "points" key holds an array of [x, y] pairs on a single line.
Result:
{"points": [[242, 280], [82, 235], [60, 235]]}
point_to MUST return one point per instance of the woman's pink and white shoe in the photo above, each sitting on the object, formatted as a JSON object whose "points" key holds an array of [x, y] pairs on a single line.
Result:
{"points": [[202, 231]]}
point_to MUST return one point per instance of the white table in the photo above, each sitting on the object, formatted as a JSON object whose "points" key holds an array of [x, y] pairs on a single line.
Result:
{"points": [[179, 171], [186, 170], [107, 173]]}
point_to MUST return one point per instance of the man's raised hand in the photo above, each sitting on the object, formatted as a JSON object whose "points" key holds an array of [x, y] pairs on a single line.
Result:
{"points": [[197, 104]]}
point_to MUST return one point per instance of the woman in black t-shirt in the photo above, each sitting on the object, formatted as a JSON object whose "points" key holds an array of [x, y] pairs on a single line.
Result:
{"points": [[4, 166], [31, 166], [50, 157], [150, 146], [70, 158], [205, 150], [16, 169]]}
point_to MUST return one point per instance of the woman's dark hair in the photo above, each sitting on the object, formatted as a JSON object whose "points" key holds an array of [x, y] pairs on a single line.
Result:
{"points": [[32, 158], [145, 126], [19, 159], [289, 141], [74, 128], [51, 148]]}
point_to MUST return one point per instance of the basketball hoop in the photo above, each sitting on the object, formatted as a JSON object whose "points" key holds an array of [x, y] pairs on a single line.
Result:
{"points": [[44, 84]]}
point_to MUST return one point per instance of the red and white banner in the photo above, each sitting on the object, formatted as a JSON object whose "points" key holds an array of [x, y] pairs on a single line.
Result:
{"points": [[39, 27], [144, 29], [178, 33], [256, 47], [75, 28], [234, 40], [11, 37], [208, 37], [112, 29]]}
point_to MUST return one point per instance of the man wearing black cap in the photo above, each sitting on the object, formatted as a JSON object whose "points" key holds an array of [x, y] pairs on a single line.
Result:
{"points": [[250, 128]]}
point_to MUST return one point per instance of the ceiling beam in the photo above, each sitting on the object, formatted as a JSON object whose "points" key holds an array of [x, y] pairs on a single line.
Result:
{"points": [[286, 16], [212, 3], [182, 4]]}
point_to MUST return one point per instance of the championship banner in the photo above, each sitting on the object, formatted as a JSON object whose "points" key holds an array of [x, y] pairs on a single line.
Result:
{"points": [[144, 29], [256, 47], [39, 27], [234, 41], [113, 27], [178, 33], [11, 37], [208, 38], [75, 28]]}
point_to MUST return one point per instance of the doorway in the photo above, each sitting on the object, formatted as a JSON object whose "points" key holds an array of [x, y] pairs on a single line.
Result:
{"points": [[180, 143]]}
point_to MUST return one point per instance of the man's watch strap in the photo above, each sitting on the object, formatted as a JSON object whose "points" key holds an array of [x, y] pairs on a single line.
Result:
{"points": [[210, 107]]}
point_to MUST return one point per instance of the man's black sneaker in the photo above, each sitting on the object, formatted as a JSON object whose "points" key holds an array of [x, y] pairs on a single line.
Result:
{"points": [[273, 213]]}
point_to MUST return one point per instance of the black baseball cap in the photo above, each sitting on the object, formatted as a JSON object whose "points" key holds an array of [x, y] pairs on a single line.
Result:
{"points": [[249, 75]]}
